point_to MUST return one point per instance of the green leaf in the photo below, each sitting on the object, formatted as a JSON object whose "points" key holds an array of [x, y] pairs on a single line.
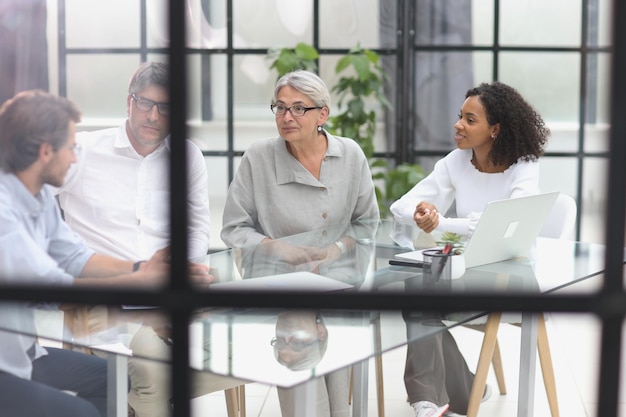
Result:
{"points": [[306, 52], [361, 66], [342, 64]]}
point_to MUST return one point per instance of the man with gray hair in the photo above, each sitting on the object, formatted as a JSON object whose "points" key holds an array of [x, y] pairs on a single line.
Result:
{"points": [[117, 198]]}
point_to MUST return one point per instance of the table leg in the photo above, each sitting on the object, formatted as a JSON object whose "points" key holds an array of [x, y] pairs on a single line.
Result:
{"points": [[306, 399], [359, 396], [528, 364], [117, 385]]}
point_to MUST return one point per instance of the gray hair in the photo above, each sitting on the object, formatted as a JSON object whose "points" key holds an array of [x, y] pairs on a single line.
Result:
{"points": [[30, 119], [308, 83], [149, 73]]}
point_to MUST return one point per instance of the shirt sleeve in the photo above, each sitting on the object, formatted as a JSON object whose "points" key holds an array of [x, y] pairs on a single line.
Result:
{"points": [[240, 220], [27, 258], [436, 189], [199, 211]]}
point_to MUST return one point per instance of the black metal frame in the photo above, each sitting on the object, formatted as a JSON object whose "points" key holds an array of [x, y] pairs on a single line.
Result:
{"points": [[180, 299]]}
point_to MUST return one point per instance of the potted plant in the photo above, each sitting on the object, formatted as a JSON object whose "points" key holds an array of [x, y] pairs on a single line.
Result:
{"points": [[302, 56], [448, 261], [360, 96], [453, 240]]}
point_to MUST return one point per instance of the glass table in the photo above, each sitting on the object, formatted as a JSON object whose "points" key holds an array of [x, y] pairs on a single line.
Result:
{"points": [[241, 339], [247, 343]]}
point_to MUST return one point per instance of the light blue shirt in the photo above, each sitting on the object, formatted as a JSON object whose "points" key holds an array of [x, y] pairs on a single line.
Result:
{"points": [[36, 247]]}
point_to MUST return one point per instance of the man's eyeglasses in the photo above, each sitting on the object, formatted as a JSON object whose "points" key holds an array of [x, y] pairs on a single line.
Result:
{"points": [[294, 344], [144, 104], [297, 110]]}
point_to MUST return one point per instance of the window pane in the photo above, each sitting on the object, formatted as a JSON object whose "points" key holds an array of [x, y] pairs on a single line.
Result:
{"points": [[567, 179], [598, 92], [540, 22], [89, 24], [442, 79], [102, 103], [594, 197], [207, 96], [445, 22], [346, 23], [265, 23], [482, 22], [253, 86], [206, 24], [548, 80], [217, 167]]}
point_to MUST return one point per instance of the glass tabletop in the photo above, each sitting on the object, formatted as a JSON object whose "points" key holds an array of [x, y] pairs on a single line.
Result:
{"points": [[287, 347], [295, 263], [256, 344]]}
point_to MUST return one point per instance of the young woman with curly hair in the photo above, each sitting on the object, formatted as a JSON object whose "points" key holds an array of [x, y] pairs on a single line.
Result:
{"points": [[499, 138]]}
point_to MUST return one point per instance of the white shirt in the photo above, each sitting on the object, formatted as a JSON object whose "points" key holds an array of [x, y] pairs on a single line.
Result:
{"points": [[456, 185], [118, 200]]}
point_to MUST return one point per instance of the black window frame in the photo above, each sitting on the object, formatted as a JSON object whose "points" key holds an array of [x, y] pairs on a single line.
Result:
{"points": [[179, 299]]}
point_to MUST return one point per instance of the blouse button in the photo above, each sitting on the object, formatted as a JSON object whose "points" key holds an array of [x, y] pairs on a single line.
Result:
{"points": [[324, 215]]}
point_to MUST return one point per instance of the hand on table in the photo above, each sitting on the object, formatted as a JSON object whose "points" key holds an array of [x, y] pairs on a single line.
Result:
{"points": [[156, 270], [426, 216]]}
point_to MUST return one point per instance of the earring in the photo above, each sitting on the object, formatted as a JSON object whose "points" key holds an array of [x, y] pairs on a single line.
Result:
{"points": [[319, 128]]}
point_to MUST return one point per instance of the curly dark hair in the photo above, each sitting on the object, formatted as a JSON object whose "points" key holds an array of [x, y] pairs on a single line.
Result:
{"points": [[523, 133]]}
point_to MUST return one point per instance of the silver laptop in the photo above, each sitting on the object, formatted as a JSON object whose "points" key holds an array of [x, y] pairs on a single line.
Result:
{"points": [[507, 229]]}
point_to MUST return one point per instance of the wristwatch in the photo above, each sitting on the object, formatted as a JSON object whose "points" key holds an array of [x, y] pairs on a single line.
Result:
{"points": [[340, 246], [136, 265]]}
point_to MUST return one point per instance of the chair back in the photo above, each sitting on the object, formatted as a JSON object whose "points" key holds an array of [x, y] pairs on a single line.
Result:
{"points": [[561, 222]]}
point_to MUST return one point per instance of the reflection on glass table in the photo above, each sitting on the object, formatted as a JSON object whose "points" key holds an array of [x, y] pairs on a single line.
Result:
{"points": [[246, 343], [550, 266]]}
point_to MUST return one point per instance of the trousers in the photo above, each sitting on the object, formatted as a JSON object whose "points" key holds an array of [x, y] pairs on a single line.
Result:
{"points": [[43, 395], [150, 389], [332, 396], [436, 370]]}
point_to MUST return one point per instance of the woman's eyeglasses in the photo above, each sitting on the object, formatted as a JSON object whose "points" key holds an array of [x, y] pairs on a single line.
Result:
{"points": [[294, 344], [296, 110]]}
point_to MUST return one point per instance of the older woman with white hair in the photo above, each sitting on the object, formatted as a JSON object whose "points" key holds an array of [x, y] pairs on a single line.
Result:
{"points": [[305, 179]]}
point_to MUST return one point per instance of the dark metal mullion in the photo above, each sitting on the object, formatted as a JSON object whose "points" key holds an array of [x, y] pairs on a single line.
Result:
{"points": [[230, 117], [179, 283], [615, 223], [590, 40], [582, 111], [316, 28], [405, 60], [143, 30], [610, 354], [612, 320], [496, 40], [120, 51]]}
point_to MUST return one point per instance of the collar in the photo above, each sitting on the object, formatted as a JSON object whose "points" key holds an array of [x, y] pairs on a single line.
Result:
{"points": [[288, 169], [123, 142]]}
